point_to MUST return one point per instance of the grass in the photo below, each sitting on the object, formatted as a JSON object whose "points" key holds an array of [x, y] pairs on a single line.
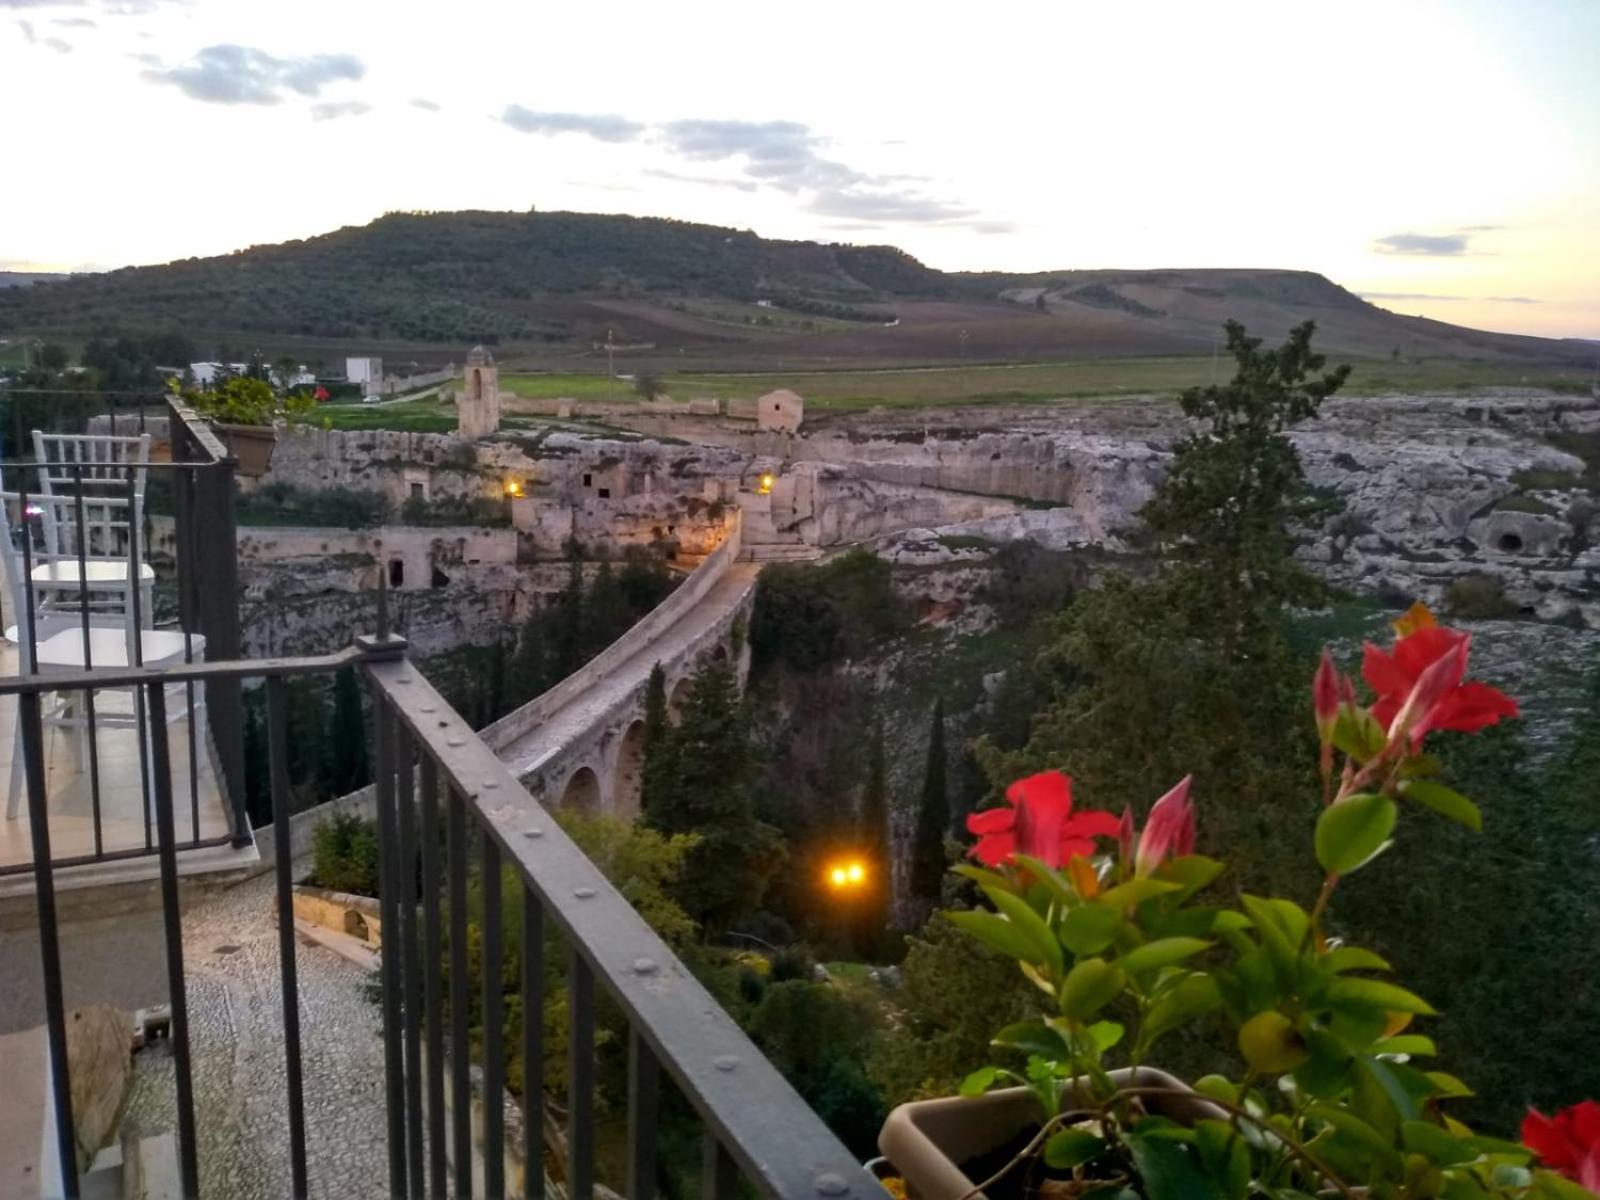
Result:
{"points": [[412, 416]]}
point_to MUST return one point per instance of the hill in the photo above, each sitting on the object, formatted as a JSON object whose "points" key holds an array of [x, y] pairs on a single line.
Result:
{"points": [[561, 283]]}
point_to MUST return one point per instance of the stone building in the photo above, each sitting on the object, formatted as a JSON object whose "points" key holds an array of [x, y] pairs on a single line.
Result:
{"points": [[478, 401], [780, 410]]}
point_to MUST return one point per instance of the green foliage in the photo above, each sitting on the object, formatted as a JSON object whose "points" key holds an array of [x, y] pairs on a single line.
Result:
{"points": [[246, 400], [809, 617], [129, 363], [481, 511], [1479, 597], [344, 855], [928, 859], [278, 502], [697, 778]]}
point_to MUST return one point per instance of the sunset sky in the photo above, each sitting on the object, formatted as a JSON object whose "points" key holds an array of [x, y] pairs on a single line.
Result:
{"points": [[1438, 157]]}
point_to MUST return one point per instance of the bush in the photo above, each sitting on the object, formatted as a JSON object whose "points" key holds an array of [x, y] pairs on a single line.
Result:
{"points": [[344, 855], [1479, 597], [810, 617], [281, 503], [454, 510]]}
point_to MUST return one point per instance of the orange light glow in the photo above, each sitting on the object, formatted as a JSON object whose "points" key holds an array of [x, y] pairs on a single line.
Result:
{"points": [[514, 488], [851, 874], [767, 480]]}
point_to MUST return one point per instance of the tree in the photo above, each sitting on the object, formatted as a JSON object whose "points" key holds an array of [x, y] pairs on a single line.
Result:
{"points": [[928, 860], [567, 642], [697, 779], [347, 768], [607, 616], [655, 707], [647, 385], [872, 837], [1192, 672]]}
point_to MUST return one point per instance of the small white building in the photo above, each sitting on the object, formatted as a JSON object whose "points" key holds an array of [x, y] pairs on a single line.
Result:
{"points": [[364, 370], [205, 374]]}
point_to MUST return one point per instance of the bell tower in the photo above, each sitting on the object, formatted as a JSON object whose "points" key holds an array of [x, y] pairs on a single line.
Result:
{"points": [[478, 404]]}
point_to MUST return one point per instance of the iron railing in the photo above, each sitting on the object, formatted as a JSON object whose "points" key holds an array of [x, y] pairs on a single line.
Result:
{"points": [[443, 799], [195, 486]]}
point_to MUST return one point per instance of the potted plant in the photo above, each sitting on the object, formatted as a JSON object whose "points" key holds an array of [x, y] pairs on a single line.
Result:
{"points": [[1122, 934], [244, 411]]}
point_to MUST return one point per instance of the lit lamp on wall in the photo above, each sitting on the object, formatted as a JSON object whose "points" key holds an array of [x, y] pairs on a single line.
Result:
{"points": [[764, 485], [847, 876], [514, 489]]}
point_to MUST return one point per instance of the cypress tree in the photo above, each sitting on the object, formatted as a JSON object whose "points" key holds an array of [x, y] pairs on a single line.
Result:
{"points": [[872, 836], [933, 817], [568, 649], [655, 707], [347, 767]]}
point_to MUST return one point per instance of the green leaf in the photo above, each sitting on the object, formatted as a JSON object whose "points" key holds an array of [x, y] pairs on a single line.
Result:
{"points": [[1346, 1122], [983, 877], [1135, 891], [1358, 734], [1089, 986], [1033, 1037], [1072, 1148], [1226, 1156], [1166, 1168], [1053, 881], [1194, 995], [1046, 949], [1281, 952], [1192, 871], [1164, 952], [1547, 1185], [1105, 1034], [1374, 995], [1352, 958], [1089, 929], [1447, 1084], [1405, 1043], [1353, 831], [1444, 801], [1216, 1087], [979, 1081], [995, 932], [1421, 1137]]}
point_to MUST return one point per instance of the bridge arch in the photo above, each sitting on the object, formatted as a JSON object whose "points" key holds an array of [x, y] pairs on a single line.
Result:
{"points": [[627, 776], [582, 792], [677, 697]]}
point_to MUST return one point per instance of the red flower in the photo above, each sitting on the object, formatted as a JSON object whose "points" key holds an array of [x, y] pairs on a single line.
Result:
{"points": [[1422, 682], [320, 394], [1568, 1142], [1169, 830], [1040, 823]]}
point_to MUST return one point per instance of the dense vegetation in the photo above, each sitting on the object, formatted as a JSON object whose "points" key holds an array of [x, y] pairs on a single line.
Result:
{"points": [[462, 277]]}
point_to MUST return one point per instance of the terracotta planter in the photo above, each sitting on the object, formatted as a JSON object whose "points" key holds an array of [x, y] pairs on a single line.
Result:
{"points": [[928, 1140], [251, 445]]}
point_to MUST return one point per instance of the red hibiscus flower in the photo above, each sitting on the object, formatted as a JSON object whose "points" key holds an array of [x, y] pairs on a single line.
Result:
{"points": [[1040, 823], [1168, 830], [1568, 1142], [1422, 681]]}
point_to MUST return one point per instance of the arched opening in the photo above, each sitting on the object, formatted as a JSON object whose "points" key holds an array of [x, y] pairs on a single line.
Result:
{"points": [[627, 781], [397, 572], [720, 654], [476, 390], [1510, 543], [582, 793], [676, 699]]}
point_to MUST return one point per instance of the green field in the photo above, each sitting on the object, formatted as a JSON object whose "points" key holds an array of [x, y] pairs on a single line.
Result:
{"points": [[921, 387]]}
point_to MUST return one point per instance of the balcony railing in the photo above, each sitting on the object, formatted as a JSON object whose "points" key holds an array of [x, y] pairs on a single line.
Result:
{"points": [[443, 799]]}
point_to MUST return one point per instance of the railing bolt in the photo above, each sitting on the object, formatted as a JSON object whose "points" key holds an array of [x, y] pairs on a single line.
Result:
{"points": [[491, 784], [428, 708], [533, 833], [455, 741], [725, 1062], [830, 1184], [644, 966], [583, 893]]}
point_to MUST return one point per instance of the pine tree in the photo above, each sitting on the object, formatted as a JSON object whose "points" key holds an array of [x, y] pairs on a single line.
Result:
{"points": [[933, 817], [530, 664], [607, 614], [697, 779], [567, 648], [347, 766], [655, 707], [872, 837]]}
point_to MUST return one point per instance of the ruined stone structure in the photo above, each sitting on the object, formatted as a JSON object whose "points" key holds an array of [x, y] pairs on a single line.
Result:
{"points": [[478, 401]]}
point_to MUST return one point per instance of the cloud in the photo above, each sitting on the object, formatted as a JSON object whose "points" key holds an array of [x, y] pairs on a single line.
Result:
{"points": [[56, 44], [1428, 245], [115, 8], [425, 105], [886, 206], [339, 108], [74, 22], [229, 74], [603, 127], [743, 185], [782, 153], [1441, 296]]}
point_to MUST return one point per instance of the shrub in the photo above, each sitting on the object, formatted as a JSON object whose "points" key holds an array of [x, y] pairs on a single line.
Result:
{"points": [[454, 510], [281, 503], [344, 855], [1479, 597]]}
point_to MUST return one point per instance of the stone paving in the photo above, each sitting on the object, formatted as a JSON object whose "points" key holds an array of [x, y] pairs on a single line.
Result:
{"points": [[235, 1023]]}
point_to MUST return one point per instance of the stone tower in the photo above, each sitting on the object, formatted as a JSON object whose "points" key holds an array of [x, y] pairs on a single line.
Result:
{"points": [[478, 402]]}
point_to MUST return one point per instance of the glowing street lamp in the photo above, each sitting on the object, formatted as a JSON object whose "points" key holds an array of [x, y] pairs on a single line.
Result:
{"points": [[848, 875], [514, 488], [767, 480]]}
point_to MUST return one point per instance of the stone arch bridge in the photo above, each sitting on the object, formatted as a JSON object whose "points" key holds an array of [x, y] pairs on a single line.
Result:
{"points": [[580, 745]]}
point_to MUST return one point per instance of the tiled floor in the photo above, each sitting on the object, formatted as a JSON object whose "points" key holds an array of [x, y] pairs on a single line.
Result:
{"points": [[122, 806]]}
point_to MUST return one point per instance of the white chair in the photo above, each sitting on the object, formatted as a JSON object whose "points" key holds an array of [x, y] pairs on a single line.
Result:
{"points": [[61, 646], [91, 502]]}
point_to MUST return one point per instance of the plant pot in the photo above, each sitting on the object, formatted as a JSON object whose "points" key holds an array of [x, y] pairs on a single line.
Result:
{"points": [[929, 1140], [250, 445]]}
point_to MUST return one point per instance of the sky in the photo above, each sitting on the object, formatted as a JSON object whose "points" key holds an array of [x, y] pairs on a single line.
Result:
{"points": [[1439, 157]]}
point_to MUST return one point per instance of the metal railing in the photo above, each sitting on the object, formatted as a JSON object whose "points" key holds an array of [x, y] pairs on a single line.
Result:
{"points": [[195, 486], [443, 800]]}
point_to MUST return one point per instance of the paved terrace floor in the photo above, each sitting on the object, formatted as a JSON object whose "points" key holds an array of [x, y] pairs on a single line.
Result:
{"points": [[122, 806], [571, 721]]}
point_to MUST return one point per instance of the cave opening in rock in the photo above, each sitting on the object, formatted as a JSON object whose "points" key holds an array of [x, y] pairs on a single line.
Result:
{"points": [[1511, 543]]}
